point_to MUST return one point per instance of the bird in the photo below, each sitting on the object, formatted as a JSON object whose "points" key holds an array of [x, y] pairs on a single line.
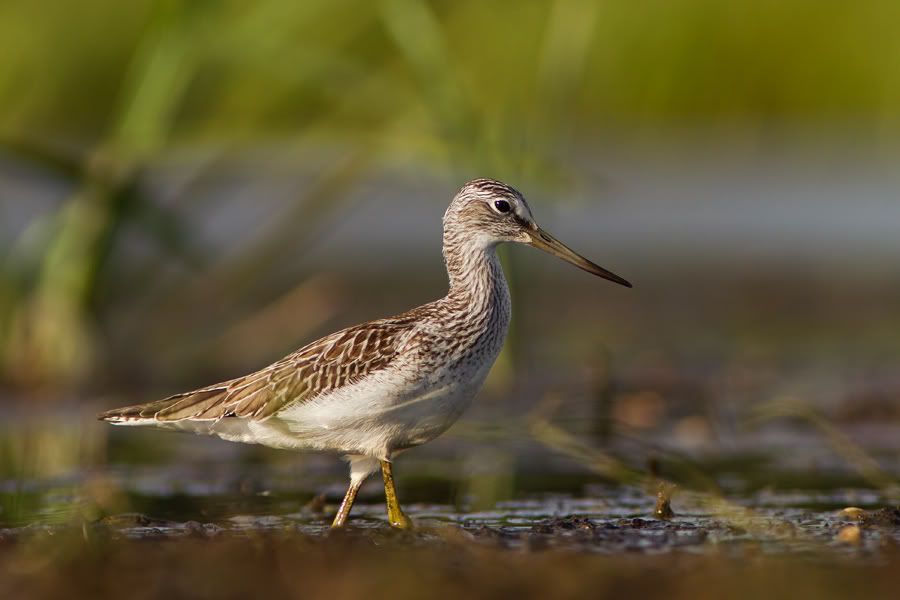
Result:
{"points": [[374, 390]]}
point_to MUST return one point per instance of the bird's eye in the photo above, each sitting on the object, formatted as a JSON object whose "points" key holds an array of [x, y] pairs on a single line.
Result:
{"points": [[502, 206]]}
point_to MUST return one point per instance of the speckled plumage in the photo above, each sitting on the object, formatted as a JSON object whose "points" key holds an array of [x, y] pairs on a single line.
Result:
{"points": [[375, 389]]}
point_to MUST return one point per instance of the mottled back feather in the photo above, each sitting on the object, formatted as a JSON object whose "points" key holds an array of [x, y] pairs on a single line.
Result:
{"points": [[339, 359]]}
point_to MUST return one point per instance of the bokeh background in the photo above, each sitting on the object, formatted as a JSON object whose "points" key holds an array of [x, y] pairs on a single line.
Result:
{"points": [[191, 189]]}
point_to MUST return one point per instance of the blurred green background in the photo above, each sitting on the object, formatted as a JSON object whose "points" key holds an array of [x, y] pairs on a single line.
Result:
{"points": [[191, 189]]}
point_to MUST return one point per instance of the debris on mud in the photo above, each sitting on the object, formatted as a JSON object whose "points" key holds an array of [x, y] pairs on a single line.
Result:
{"points": [[850, 534], [557, 524], [663, 508], [882, 517]]}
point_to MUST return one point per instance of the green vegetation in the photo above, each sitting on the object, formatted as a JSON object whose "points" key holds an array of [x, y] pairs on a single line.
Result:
{"points": [[99, 92], [416, 75]]}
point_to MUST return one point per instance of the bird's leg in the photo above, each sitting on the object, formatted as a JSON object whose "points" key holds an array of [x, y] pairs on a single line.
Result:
{"points": [[395, 514], [344, 511]]}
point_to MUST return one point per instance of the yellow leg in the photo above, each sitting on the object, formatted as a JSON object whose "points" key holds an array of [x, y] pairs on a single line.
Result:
{"points": [[395, 514], [344, 511]]}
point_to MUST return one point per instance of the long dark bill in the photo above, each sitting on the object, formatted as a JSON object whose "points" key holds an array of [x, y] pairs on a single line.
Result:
{"points": [[546, 242]]}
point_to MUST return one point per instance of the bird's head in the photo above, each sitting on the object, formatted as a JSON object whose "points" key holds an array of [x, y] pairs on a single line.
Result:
{"points": [[486, 212]]}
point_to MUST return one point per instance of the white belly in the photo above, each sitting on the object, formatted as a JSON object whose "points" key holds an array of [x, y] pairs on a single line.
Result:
{"points": [[381, 414]]}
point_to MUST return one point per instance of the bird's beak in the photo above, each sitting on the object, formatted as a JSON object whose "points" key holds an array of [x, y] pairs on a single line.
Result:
{"points": [[546, 242]]}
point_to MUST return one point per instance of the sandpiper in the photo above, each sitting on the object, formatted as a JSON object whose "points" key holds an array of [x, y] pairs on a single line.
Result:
{"points": [[374, 390]]}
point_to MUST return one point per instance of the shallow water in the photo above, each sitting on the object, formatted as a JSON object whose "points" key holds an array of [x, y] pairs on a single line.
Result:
{"points": [[503, 506], [503, 477], [585, 525], [169, 503]]}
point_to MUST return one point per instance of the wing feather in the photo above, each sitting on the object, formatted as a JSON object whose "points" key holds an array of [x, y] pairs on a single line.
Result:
{"points": [[334, 361]]}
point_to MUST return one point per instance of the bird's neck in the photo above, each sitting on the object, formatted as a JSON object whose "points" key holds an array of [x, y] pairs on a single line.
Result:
{"points": [[477, 308], [477, 284]]}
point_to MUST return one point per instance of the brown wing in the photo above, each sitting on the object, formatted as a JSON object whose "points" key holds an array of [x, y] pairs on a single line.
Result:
{"points": [[334, 361]]}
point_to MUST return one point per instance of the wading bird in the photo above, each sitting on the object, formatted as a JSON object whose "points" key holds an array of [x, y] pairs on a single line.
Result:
{"points": [[374, 390]]}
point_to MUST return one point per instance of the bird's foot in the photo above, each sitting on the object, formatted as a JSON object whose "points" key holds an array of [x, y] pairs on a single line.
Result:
{"points": [[399, 520]]}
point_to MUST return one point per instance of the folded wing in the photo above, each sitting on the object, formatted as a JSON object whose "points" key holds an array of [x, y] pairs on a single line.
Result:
{"points": [[334, 361]]}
